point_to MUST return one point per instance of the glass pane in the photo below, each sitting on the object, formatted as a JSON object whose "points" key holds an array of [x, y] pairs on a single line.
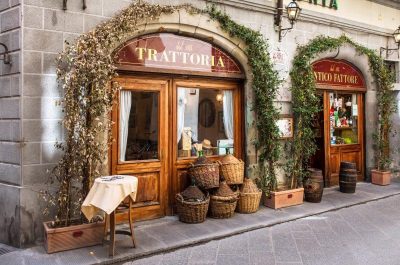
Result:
{"points": [[204, 121], [138, 125], [343, 115]]}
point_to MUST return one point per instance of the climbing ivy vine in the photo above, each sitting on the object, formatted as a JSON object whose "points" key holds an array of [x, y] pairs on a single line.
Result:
{"points": [[86, 70], [265, 83], [305, 103]]}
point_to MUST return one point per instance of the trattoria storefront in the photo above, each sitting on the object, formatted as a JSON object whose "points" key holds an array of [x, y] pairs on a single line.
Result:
{"points": [[339, 126], [176, 92]]}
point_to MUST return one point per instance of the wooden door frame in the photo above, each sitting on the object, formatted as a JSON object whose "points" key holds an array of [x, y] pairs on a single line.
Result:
{"points": [[361, 127]]}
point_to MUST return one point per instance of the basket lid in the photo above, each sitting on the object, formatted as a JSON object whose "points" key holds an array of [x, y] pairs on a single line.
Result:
{"points": [[249, 186], [193, 193], [229, 159], [224, 190]]}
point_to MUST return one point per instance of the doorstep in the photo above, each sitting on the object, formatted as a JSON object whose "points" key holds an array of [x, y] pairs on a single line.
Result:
{"points": [[168, 233]]}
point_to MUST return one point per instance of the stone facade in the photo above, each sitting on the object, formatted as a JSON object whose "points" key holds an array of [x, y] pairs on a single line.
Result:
{"points": [[35, 32]]}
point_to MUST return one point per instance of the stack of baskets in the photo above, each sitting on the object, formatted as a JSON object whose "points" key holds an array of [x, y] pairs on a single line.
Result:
{"points": [[192, 205], [223, 201], [249, 197]]}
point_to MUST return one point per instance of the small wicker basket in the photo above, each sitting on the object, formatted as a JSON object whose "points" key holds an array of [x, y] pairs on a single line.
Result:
{"points": [[223, 202], [206, 175], [249, 197], [232, 169], [222, 207], [192, 212]]}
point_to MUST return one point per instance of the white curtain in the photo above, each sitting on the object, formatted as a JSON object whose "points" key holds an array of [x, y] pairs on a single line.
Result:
{"points": [[181, 111], [228, 113], [125, 109]]}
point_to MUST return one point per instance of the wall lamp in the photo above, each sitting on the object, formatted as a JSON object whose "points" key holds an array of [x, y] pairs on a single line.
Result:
{"points": [[293, 12], [396, 36], [6, 56]]}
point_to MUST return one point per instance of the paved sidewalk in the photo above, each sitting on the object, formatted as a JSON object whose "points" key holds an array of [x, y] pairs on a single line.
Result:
{"points": [[360, 235], [168, 233]]}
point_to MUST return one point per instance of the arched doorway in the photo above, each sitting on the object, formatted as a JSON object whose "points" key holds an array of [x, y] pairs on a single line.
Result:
{"points": [[339, 127], [176, 92]]}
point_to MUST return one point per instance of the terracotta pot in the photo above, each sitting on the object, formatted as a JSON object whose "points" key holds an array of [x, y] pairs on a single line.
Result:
{"points": [[380, 177], [286, 198], [72, 237]]}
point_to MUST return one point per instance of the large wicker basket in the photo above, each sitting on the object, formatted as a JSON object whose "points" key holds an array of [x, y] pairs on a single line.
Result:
{"points": [[232, 169], [192, 212], [249, 197], [222, 207], [206, 175]]}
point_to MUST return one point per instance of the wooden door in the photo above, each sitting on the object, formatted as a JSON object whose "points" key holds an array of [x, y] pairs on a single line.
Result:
{"points": [[344, 142], [141, 135], [179, 162]]}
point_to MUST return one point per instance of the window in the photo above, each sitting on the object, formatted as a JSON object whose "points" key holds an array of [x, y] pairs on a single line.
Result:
{"points": [[343, 114], [204, 121], [138, 125]]}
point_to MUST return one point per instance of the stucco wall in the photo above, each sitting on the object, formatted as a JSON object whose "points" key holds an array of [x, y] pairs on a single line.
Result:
{"points": [[34, 121]]}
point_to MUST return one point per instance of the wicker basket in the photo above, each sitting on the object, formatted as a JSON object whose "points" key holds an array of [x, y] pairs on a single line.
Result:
{"points": [[192, 212], [222, 207], [249, 197], [205, 175], [232, 169]]}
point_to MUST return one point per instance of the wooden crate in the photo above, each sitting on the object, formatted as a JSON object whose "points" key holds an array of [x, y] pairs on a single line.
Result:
{"points": [[286, 198], [72, 237]]}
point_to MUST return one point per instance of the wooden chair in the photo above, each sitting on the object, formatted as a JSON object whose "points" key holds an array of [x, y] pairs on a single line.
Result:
{"points": [[110, 223]]}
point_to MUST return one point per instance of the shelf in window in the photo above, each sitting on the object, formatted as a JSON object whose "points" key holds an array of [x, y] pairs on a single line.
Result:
{"points": [[344, 128]]}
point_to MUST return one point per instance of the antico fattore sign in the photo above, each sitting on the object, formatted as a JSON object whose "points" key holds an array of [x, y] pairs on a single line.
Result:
{"points": [[337, 73]]}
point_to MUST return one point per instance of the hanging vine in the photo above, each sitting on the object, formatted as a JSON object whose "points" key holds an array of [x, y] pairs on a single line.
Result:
{"points": [[85, 70], [265, 86], [305, 103]]}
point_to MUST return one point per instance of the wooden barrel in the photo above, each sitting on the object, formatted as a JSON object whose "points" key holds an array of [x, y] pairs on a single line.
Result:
{"points": [[347, 177], [314, 186]]}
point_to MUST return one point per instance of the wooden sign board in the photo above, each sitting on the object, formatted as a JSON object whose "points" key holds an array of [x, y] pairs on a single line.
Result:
{"points": [[174, 52], [333, 73]]}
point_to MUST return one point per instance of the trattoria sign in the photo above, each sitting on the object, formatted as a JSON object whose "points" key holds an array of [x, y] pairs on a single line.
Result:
{"points": [[325, 3], [337, 73], [169, 51]]}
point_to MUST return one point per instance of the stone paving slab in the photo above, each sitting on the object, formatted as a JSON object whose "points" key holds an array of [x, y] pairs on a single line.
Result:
{"points": [[168, 233]]}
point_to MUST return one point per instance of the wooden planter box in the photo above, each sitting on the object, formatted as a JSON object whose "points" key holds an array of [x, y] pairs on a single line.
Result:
{"points": [[281, 199], [380, 177], [71, 237]]}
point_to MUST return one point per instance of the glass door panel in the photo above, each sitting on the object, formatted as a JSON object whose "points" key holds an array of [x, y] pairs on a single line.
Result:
{"points": [[139, 125], [204, 121], [343, 117]]}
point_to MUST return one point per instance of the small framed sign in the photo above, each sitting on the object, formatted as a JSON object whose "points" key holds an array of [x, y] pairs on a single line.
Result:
{"points": [[285, 125]]}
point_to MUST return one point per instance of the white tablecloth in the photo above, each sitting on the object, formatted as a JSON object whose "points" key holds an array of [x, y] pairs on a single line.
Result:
{"points": [[107, 193]]}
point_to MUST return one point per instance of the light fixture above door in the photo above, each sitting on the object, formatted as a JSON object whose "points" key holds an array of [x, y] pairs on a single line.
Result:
{"points": [[396, 37], [293, 12]]}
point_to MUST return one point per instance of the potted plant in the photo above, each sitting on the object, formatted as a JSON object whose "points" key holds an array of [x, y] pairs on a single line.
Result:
{"points": [[283, 196], [69, 229], [381, 175], [72, 178]]}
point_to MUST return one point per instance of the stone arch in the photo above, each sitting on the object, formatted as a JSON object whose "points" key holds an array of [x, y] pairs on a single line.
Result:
{"points": [[349, 53], [202, 27]]}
